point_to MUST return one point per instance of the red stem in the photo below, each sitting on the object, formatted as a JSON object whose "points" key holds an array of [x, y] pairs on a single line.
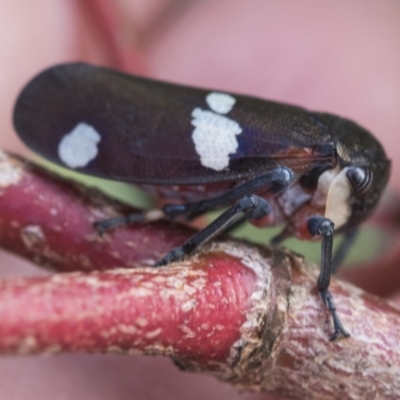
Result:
{"points": [[248, 315], [170, 311], [50, 221]]}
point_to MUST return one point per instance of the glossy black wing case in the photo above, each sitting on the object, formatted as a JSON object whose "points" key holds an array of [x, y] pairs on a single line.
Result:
{"points": [[117, 126]]}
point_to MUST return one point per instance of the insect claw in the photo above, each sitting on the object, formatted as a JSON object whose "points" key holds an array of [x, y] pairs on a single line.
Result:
{"points": [[99, 226], [339, 329], [338, 332], [107, 224], [172, 256], [334, 336]]}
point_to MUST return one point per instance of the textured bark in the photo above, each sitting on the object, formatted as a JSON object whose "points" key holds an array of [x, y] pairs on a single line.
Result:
{"points": [[247, 315], [192, 311], [50, 222]]}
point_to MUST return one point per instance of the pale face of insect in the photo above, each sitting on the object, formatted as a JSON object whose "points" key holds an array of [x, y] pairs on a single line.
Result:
{"points": [[331, 199], [333, 193], [351, 191], [345, 195]]}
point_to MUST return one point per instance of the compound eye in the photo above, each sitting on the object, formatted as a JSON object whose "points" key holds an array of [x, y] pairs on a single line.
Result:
{"points": [[360, 179]]}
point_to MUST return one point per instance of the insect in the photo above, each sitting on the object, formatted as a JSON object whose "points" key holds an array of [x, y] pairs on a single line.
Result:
{"points": [[201, 150]]}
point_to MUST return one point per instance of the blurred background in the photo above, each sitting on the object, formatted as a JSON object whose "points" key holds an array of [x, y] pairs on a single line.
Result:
{"points": [[341, 57]]}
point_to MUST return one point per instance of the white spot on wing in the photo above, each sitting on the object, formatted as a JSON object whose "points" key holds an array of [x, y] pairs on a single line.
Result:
{"points": [[79, 147], [221, 103], [214, 138]]}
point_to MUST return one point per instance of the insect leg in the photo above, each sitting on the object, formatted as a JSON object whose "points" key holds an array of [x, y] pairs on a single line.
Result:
{"points": [[140, 217], [324, 227], [342, 251], [275, 181], [252, 206]]}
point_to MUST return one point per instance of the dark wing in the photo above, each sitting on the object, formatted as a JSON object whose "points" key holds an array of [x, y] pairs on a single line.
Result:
{"points": [[117, 126]]}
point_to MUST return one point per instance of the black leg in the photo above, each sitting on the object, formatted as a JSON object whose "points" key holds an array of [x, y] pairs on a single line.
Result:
{"points": [[236, 224], [280, 237], [342, 251], [324, 227], [252, 206], [136, 218], [272, 182]]}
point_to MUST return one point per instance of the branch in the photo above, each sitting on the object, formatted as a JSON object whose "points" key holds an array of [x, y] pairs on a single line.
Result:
{"points": [[49, 221], [248, 315]]}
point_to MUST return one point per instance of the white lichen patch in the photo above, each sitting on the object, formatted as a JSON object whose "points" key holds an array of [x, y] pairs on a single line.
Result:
{"points": [[79, 147], [32, 236], [188, 305], [221, 103], [137, 292], [153, 334], [142, 322], [93, 281], [214, 138], [51, 350], [187, 331], [127, 329], [27, 345], [10, 173], [115, 350]]}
